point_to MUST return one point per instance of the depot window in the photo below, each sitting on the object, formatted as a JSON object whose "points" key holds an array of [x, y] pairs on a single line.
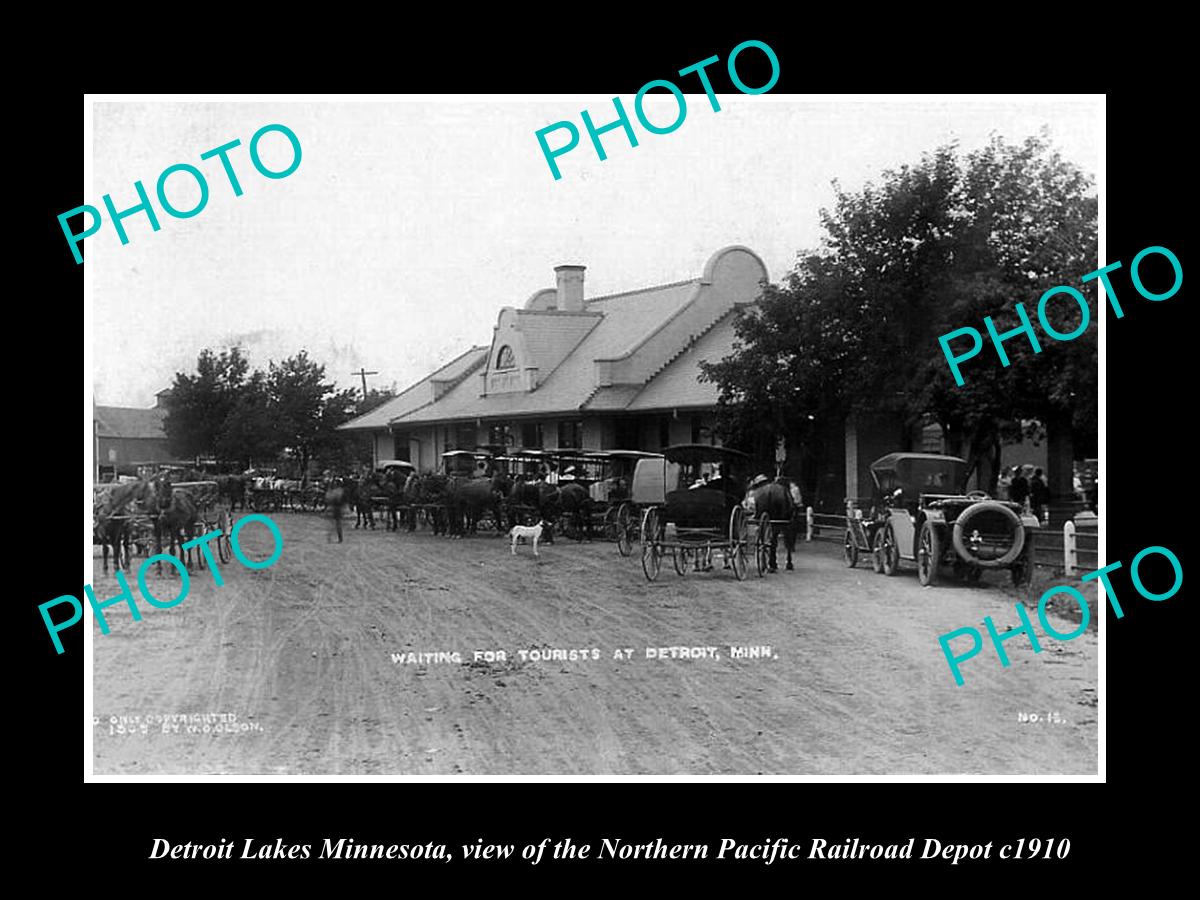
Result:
{"points": [[570, 434]]}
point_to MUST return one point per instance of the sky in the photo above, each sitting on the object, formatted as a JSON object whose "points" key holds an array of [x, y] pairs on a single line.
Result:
{"points": [[409, 224]]}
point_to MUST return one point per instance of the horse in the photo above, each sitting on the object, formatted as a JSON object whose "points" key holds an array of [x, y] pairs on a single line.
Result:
{"points": [[112, 523], [575, 501], [468, 498], [232, 488], [502, 485], [774, 499], [177, 518], [541, 496], [432, 493], [364, 507]]}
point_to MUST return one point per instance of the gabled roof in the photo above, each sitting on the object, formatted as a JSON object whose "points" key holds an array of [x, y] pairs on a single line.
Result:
{"points": [[627, 319], [678, 384], [550, 335], [630, 351], [420, 394], [128, 422]]}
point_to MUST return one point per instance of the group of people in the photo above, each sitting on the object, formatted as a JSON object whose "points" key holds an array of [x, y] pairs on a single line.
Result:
{"points": [[1031, 491]]}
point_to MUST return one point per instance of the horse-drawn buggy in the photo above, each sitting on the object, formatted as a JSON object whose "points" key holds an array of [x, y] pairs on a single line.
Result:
{"points": [[611, 510], [692, 497], [160, 513], [385, 490], [922, 512], [528, 493]]}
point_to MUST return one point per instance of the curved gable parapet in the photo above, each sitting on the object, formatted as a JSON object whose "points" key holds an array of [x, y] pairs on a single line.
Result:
{"points": [[733, 255], [732, 278], [542, 300]]}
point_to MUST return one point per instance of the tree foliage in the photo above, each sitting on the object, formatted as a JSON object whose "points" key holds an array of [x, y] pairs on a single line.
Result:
{"points": [[929, 248], [226, 411]]}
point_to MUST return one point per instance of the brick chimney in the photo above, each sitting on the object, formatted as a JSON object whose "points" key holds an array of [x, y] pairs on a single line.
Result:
{"points": [[570, 288]]}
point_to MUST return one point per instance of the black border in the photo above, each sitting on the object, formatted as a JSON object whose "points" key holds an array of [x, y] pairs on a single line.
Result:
{"points": [[1147, 500]]}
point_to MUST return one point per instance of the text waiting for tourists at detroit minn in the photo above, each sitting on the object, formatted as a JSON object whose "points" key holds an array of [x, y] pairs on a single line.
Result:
{"points": [[765, 852], [580, 654]]}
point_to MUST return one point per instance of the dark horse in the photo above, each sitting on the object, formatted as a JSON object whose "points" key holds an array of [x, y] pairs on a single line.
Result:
{"points": [[773, 498], [176, 520], [233, 489], [112, 519], [429, 493], [468, 498], [575, 503], [364, 505], [541, 497]]}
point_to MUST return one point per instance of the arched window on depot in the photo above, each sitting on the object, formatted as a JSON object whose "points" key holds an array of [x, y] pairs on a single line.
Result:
{"points": [[505, 359]]}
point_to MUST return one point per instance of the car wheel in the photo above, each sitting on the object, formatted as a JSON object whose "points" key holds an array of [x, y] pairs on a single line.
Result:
{"points": [[929, 554], [891, 552], [1022, 569], [850, 552]]}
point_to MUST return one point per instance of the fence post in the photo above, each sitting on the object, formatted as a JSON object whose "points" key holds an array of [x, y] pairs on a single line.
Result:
{"points": [[808, 516], [1070, 556]]}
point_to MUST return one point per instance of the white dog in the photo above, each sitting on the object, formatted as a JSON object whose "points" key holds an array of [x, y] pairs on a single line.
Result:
{"points": [[532, 533]]}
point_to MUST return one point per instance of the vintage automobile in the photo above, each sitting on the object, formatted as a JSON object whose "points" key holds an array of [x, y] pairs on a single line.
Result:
{"points": [[922, 514]]}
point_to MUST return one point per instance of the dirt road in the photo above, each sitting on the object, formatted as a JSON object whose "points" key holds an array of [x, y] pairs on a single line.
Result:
{"points": [[302, 654]]}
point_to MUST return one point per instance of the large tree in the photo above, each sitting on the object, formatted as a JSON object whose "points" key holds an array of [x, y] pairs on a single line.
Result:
{"points": [[306, 410], [929, 248], [199, 404], [251, 418]]}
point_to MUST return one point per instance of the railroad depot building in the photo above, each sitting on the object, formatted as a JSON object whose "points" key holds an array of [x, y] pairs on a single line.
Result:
{"points": [[622, 371], [566, 370]]}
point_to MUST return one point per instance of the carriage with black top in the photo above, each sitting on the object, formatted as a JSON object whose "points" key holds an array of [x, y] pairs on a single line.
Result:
{"points": [[692, 501], [609, 475]]}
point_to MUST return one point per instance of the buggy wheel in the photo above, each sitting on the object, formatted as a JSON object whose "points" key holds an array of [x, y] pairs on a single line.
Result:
{"points": [[890, 551], [681, 557], [225, 523], [762, 544], [652, 530], [626, 529], [1022, 569], [608, 525], [877, 553], [929, 554], [738, 539], [850, 550]]}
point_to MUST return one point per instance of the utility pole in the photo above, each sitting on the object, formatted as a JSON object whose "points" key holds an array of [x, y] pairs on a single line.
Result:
{"points": [[363, 373]]}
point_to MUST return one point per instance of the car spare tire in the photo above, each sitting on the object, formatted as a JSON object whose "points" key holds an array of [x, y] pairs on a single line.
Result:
{"points": [[988, 534]]}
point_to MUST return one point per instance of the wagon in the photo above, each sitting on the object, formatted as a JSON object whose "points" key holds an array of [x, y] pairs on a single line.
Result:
{"points": [[141, 524], [211, 515], [692, 497], [609, 476], [392, 504], [469, 463]]}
